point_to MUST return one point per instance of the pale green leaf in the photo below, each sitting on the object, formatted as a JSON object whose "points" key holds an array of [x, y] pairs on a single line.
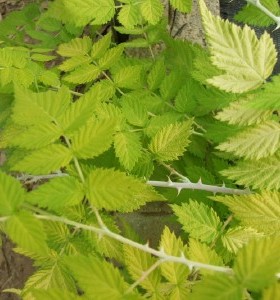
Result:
{"points": [[49, 78], [128, 148], [134, 111], [217, 287], [53, 294], [199, 220], [114, 190], [272, 292], [129, 77], [171, 141], [258, 262], [45, 160], [171, 84], [152, 10], [98, 279], [156, 74], [57, 193], [184, 6], [246, 60], [74, 62], [101, 46], [170, 244], [239, 113], [76, 47], [254, 143], [110, 57], [259, 211], [201, 252], [83, 74], [236, 237], [12, 195], [261, 174], [37, 136], [137, 263], [27, 232], [42, 57], [94, 138], [129, 15]]}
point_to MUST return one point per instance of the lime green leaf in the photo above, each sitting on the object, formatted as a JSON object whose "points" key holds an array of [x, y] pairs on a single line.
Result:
{"points": [[114, 190], [152, 10], [128, 148], [134, 111], [247, 61], [110, 57], [171, 84], [129, 15], [59, 192], [85, 73], [254, 143], [156, 75], [184, 6], [74, 62], [204, 254], [12, 194], [129, 77], [264, 173], [94, 138], [49, 78], [98, 279], [42, 57], [170, 244], [257, 263], [84, 11], [236, 237], [53, 294], [45, 160], [27, 232], [76, 47], [137, 263], [37, 136], [259, 211], [171, 141], [199, 220], [144, 167], [272, 293], [38, 108], [102, 45], [217, 287]]}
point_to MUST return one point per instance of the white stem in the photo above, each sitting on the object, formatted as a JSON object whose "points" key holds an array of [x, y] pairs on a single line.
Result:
{"points": [[35, 178], [258, 4], [198, 186], [160, 254]]}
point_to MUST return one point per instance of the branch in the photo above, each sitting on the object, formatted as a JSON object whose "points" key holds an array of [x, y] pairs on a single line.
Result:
{"points": [[158, 253], [198, 186], [258, 4]]}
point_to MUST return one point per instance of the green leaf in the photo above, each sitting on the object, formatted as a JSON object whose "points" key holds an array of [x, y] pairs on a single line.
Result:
{"points": [[129, 77], [114, 190], [246, 60], [152, 10], [129, 15], [94, 138], [45, 160], [98, 279], [39, 108], [74, 62], [217, 287], [110, 57], [57, 193], [184, 6], [42, 57], [170, 244], [76, 47], [83, 11], [137, 263], [254, 143], [271, 293], [262, 174], [259, 211], [199, 220], [257, 263], [85, 73], [27, 232], [128, 148], [236, 237], [204, 254], [53, 294], [171, 141], [101, 46], [171, 84], [49, 78], [134, 111], [12, 195], [37, 136], [185, 100], [156, 74]]}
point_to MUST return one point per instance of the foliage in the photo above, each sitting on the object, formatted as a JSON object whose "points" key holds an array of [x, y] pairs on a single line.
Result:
{"points": [[91, 130]]}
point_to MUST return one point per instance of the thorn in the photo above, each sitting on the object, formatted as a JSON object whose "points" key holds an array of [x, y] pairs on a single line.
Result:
{"points": [[161, 250], [183, 255], [179, 191], [199, 181], [169, 181], [147, 245], [190, 267], [223, 185]]}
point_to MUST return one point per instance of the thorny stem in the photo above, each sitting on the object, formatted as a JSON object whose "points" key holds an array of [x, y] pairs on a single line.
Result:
{"points": [[174, 172], [145, 275], [158, 253], [258, 4]]}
